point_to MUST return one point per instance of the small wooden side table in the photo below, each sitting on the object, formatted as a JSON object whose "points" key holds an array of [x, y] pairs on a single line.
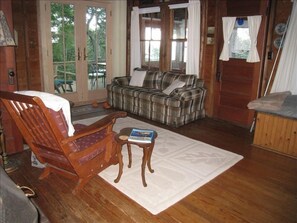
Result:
{"points": [[122, 139]]}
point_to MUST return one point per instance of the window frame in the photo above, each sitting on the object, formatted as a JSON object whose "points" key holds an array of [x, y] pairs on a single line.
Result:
{"points": [[166, 26], [184, 41], [152, 23]]}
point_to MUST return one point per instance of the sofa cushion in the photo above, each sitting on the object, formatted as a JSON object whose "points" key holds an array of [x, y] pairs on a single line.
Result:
{"points": [[147, 94], [165, 100], [167, 79], [175, 84], [131, 91], [190, 80], [137, 78], [152, 79]]}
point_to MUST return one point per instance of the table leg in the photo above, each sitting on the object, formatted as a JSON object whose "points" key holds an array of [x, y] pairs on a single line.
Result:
{"points": [[144, 161], [120, 157], [130, 155], [149, 158]]}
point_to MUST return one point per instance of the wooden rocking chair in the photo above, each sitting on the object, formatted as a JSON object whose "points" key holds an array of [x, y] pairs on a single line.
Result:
{"points": [[90, 150]]}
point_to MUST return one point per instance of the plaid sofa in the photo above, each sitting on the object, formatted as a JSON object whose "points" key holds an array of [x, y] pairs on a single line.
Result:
{"points": [[182, 106]]}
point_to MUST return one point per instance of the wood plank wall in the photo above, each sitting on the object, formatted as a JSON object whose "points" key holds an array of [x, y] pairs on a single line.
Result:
{"points": [[27, 52]]}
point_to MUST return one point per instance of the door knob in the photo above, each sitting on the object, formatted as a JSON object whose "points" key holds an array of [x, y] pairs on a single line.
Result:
{"points": [[218, 76], [85, 54]]}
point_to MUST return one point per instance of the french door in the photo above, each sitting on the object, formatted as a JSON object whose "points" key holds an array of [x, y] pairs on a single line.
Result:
{"points": [[79, 49]]}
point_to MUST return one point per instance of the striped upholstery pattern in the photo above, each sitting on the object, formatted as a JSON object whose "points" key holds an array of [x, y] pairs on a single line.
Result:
{"points": [[152, 79], [87, 141], [80, 143], [182, 106]]}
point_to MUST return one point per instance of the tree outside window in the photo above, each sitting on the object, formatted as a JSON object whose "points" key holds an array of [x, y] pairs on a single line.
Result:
{"points": [[63, 38]]}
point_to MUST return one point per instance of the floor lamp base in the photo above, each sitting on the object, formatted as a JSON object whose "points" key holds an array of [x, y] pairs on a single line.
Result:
{"points": [[9, 165]]}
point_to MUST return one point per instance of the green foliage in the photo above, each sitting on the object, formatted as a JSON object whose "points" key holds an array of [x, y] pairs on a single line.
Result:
{"points": [[63, 36]]}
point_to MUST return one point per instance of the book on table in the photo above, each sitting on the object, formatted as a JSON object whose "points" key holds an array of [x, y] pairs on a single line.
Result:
{"points": [[141, 135]]}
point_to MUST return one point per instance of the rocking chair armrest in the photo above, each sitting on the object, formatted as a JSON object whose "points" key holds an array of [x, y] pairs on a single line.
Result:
{"points": [[107, 120], [96, 126]]}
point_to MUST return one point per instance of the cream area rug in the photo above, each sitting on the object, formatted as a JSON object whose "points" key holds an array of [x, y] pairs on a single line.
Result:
{"points": [[181, 166]]}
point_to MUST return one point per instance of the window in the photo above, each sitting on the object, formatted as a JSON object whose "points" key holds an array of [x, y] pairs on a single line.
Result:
{"points": [[150, 39], [164, 35], [179, 39], [240, 42]]}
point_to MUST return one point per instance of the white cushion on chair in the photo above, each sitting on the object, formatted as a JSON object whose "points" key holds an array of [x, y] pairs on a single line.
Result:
{"points": [[55, 103]]}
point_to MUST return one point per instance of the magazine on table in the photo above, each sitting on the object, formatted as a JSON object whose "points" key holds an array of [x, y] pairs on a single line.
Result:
{"points": [[141, 135]]}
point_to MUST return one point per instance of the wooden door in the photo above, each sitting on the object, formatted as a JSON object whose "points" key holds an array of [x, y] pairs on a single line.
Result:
{"points": [[237, 81], [234, 90]]}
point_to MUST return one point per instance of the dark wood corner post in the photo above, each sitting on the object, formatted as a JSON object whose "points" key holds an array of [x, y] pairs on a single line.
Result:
{"points": [[13, 138]]}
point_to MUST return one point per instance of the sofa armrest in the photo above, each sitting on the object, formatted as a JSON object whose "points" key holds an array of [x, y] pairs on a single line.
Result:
{"points": [[188, 93], [122, 81]]}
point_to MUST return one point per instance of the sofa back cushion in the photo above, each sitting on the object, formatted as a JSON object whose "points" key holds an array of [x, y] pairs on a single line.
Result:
{"points": [[169, 77], [189, 79], [175, 84], [152, 79]]}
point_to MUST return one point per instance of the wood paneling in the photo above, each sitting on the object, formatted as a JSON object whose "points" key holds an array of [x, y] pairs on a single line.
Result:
{"points": [[276, 133], [27, 51], [242, 8], [208, 51], [13, 139]]}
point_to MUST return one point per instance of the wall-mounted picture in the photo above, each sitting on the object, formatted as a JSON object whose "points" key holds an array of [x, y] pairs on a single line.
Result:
{"points": [[210, 30], [210, 41], [278, 42], [280, 28]]}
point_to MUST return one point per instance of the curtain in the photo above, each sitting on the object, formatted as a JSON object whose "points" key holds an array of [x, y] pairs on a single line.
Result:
{"points": [[193, 56], [254, 25], [286, 74], [228, 25], [135, 60]]}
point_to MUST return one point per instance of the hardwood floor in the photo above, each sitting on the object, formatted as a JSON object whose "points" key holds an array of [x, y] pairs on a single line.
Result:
{"points": [[260, 188]]}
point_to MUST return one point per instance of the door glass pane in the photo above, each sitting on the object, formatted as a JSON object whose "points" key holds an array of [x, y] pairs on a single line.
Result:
{"points": [[96, 47], [63, 46], [240, 42]]}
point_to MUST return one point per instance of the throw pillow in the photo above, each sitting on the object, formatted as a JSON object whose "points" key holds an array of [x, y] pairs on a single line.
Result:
{"points": [[137, 78], [175, 84]]}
